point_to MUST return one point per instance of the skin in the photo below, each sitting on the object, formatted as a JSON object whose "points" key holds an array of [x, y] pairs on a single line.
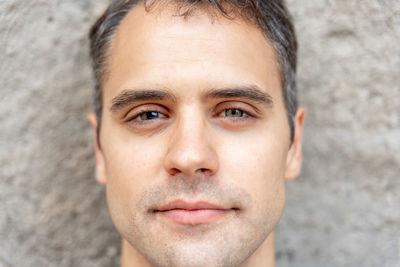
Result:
{"points": [[191, 143]]}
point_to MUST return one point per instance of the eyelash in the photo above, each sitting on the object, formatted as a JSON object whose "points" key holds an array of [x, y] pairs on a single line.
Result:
{"points": [[148, 112], [243, 115], [144, 111]]}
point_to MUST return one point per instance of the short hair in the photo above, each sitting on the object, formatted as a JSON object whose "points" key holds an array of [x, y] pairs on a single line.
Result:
{"points": [[271, 16]]}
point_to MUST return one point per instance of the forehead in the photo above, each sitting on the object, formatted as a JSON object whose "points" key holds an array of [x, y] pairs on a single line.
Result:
{"points": [[161, 49]]}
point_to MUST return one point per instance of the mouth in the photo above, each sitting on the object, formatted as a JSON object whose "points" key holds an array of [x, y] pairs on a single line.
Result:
{"points": [[193, 213]]}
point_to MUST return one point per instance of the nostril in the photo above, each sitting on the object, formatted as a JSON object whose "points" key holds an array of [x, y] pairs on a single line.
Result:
{"points": [[174, 171], [204, 171]]}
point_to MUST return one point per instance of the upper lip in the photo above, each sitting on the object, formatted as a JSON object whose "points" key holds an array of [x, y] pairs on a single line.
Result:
{"points": [[185, 205]]}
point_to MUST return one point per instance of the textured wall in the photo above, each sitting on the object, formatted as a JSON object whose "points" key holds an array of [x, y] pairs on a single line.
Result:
{"points": [[344, 210]]}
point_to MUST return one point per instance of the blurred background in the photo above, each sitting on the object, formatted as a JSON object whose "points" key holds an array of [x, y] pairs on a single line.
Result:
{"points": [[344, 210]]}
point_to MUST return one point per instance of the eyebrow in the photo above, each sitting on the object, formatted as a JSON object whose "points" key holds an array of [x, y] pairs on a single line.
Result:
{"points": [[250, 92], [130, 96]]}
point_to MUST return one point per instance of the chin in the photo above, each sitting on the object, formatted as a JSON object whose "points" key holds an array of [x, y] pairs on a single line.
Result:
{"points": [[229, 243]]}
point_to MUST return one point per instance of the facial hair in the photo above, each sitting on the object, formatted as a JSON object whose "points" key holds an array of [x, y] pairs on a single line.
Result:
{"points": [[228, 241]]}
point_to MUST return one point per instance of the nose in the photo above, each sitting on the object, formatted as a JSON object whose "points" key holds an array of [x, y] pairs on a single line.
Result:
{"points": [[191, 151]]}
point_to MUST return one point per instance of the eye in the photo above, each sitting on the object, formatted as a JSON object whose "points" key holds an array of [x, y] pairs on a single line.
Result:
{"points": [[234, 113], [149, 115]]}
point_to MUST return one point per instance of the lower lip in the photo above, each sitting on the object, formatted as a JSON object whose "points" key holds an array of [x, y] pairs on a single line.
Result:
{"points": [[199, 216]]}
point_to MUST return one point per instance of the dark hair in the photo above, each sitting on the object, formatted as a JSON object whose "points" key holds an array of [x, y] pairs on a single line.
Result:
{"points": [[271, 16]]}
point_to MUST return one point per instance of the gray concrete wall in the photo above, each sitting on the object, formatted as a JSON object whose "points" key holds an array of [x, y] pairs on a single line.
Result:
{"points": [[344, 210]]}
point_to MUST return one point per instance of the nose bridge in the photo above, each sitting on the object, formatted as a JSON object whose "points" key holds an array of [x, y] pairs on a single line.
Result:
{"points": [[190, 147], [191, 127]]}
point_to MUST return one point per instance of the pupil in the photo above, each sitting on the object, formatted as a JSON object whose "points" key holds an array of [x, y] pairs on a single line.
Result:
{"points": [[149, 115], [234, 113]]}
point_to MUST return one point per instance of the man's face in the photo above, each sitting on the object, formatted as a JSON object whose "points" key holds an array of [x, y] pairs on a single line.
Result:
{"points": [[194, 138]]}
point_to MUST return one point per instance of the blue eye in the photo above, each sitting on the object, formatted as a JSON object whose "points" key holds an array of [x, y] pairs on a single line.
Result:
{"points": [[234, 113], [149, 115]]}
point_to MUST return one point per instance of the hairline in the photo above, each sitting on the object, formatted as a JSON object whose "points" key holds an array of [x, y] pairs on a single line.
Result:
{"points": [[285, 68]]}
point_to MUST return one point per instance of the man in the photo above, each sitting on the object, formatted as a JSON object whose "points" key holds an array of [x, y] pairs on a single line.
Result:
{"points": [[196, 128]]}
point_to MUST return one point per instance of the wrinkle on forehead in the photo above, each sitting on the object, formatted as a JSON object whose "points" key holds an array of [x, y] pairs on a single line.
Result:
{"points": [[165, 24], [141, 35]]}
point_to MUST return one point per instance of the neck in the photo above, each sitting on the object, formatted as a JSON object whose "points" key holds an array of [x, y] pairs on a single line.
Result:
{"points": [[264, 256]]}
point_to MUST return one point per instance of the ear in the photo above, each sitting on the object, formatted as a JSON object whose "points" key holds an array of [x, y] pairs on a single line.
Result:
{"points": [[100, 164], [295, 155]]}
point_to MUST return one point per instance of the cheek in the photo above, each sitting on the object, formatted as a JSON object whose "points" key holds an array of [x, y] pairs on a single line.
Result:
{"points": [[134, 163], [256, 163], [131, 166]]}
